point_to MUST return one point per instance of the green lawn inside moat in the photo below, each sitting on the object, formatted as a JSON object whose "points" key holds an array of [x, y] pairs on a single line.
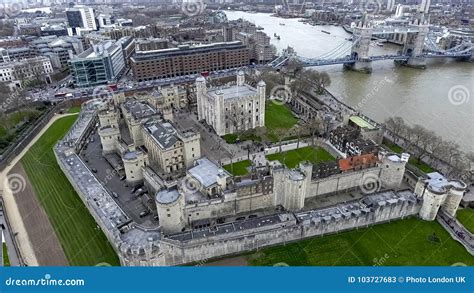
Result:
{"points": [[82, 241], [292, 158], [408, 242]]}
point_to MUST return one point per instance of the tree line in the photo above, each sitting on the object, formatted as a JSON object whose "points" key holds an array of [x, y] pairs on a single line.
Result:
{"points": [[423, 143]]}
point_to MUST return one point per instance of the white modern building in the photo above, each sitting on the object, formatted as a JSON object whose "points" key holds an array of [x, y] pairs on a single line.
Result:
{"points": [[82, 17]]}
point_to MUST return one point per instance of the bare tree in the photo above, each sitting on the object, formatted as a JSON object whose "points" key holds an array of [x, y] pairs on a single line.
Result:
{"points": [[324, 81], [314, 126]]}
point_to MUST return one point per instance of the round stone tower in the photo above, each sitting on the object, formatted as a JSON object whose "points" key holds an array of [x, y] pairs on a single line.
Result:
{"points": [[170, 207], [133, 162], [433, 198], [437, 191], [454, 197]]}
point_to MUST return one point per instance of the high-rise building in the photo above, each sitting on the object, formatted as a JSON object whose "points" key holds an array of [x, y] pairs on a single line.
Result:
{"points": [[390, 5], [81, 17], [425, 6]]}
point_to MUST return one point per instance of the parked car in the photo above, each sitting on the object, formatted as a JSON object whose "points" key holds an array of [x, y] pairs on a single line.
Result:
{"points": [[144, 213], [115, 194]]}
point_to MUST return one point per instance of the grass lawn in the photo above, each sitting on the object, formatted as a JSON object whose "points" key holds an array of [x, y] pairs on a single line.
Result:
{"points": [[400, 243], [240, 168], [82, 241], [75, 109], [466, 217], [6, 259], [292, 158], [413, 161], [278, 117]]}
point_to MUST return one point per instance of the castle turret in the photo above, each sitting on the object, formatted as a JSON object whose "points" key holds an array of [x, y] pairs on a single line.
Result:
{"points": [[393, 169], [109, 117], [170, 206], [291, 186], [201, 91], [240, 78], [133, 163], [191, 146], [437, 191], [261, 88], [109, 137]]}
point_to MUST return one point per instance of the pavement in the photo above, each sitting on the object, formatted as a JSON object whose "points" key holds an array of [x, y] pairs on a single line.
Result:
{"points": [[457, 231]]}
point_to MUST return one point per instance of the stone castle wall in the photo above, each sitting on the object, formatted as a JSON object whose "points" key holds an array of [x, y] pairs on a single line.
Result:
{"points": [[289, 229]]}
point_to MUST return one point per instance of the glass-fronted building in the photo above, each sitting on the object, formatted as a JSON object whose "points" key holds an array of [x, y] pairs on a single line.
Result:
{"points": [[101, 64]]}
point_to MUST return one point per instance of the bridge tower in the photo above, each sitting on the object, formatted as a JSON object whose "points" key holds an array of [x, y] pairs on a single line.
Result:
{"points": [[360, 48], [415, 43]]}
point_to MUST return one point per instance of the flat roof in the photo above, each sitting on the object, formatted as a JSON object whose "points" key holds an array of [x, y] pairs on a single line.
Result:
{"points": [[167, 196], [234, 91], [206, 172], [362, 123]]}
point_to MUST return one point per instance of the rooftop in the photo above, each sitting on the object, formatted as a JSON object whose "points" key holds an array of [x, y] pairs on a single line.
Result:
{"points": [[438, 183], [138, 109], [362, 123], [167, 196], [206, 172], [163, 132], [234, 91]]}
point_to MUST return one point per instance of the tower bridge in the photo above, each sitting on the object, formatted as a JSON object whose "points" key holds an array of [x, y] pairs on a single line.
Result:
{"points": [[418, 46]]}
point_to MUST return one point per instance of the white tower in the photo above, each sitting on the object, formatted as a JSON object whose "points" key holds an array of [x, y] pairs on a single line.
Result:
{"points": [[240, 78], [201, 91], [425, 6]]}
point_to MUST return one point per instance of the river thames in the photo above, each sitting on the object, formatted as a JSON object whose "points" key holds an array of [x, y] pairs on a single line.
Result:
{"points": [[440, 97]]}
